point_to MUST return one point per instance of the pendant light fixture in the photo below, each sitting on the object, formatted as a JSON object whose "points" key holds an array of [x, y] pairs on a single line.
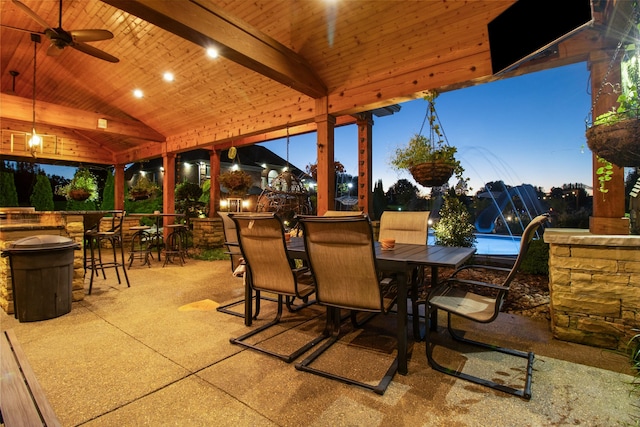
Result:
{"points": [[35, 141]]}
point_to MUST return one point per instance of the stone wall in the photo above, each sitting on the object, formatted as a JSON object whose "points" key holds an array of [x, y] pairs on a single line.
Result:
{"points": [[207, 233], [594, 281], [48, 223], [67, 224]]}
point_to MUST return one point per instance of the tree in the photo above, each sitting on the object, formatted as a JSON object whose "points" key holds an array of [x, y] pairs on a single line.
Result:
{"points": [[42, 196], [312, 169], [108, 193], [379, 201], [8, 195], [402, 193]]}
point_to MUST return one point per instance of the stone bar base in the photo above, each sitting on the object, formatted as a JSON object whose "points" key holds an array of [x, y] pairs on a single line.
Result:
{"points": [[594, 281], [208, 233]]}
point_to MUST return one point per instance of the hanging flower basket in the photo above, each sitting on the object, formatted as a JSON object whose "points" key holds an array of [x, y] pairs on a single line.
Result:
{"points": [[430, 159], [79, 194], [618, 143], [432, 174], [237, 182]]}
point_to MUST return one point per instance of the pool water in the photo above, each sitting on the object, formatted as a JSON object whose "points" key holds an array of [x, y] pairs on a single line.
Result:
{"points": [[492, 244]]}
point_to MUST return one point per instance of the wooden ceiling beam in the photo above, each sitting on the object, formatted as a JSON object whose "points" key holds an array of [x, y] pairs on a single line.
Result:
{"points": [[237, 41], [18, 108], [184, 143]]}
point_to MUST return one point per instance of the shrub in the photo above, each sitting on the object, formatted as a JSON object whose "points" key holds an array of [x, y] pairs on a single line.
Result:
{"points": [[42, 196], [9, 194], [537, 259]]}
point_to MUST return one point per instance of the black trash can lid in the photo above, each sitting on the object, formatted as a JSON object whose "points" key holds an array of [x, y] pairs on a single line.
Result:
{"points": [[41, 242]]}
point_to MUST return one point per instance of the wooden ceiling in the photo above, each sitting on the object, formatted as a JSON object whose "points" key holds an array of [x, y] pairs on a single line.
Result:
{"points": [[278, 61]]}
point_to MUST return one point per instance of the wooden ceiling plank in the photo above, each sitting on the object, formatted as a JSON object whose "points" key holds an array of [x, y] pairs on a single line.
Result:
{"points": [[241, 43], [14, 107]]}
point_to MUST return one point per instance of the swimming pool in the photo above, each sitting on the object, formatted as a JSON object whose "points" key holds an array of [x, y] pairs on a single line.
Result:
{"points": [[492, 244]]}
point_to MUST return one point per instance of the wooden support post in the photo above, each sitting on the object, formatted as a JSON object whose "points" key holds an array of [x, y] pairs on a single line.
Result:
{"points": [[365, 163], [326, 163], [118, 191], [214, 191], [608, 208], [168, 190]]}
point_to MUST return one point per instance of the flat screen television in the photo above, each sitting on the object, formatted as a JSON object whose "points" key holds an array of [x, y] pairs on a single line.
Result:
{"points": [[529, 27]]}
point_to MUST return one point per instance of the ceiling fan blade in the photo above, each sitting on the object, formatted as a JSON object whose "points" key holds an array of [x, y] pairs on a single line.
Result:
{"points": [[31, 13], [54, 50], [90, 50], [24, 30], [90, 35]]}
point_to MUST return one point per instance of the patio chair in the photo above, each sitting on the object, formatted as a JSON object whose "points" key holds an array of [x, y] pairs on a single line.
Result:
{"points": [[411, 228], [480, 302], [237, 266], [344, 213], [342, 259], [113, 237], [268, 269]]}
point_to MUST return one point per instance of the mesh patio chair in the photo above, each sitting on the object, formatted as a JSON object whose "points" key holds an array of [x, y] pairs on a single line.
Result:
{"points": [[342, 259], [411, 228], [480, 302], [268, 269], [237, 266]]}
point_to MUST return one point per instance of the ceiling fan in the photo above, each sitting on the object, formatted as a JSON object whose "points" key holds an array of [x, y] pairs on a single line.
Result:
{"points": [[75, 38]]}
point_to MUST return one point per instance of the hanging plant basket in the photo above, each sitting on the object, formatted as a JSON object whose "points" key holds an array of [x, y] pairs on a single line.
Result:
{"points": [[79, 194], [432, 174], [618, 143]]}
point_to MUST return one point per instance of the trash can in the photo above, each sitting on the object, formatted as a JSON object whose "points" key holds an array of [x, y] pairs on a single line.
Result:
{"points": [[42, 276]]}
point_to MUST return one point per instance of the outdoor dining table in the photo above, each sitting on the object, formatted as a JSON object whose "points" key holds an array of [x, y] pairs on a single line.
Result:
{"points": [[401, 260], [157, 236]]}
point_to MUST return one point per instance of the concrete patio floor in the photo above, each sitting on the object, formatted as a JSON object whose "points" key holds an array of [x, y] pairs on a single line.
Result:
{"points": [[158, 354]]}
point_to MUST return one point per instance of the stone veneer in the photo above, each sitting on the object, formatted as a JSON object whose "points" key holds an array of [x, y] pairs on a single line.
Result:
{"points": [[207, 233], [594, 281], [67, 224]]}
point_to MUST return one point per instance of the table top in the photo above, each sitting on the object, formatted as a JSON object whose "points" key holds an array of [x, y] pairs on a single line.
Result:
{"points": [[155, 214], [431, 255]]}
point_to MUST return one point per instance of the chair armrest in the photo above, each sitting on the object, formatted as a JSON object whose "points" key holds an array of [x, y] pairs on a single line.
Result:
{"points": [[474, 282]]}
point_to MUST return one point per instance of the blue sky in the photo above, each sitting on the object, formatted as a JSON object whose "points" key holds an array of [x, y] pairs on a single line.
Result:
{"points": [[528, 129]]}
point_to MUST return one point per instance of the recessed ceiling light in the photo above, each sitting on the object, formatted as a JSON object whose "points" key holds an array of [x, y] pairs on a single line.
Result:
{"points": [[212, 52], [138, 93], [168, 77]]}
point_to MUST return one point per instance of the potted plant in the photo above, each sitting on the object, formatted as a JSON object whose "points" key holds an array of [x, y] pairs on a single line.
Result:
{"points": [[615, 135], [237, 182], [142, 189], [430, 160], [83, 186]]}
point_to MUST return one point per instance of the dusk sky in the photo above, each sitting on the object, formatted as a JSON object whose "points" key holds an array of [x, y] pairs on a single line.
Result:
{"points": [[528, 129]]}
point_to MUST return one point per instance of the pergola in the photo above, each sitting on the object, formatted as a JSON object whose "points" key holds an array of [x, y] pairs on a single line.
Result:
{"points": [[283, 67]]}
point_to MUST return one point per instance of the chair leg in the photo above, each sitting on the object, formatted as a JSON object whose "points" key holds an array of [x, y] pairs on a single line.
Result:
{"points": [[332, 331], [525, 393], [293, 308], [288, 358]]}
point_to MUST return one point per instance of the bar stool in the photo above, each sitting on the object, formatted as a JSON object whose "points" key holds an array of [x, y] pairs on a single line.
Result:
{"points": [[140, 245], [114, 237], [175, 246]]}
